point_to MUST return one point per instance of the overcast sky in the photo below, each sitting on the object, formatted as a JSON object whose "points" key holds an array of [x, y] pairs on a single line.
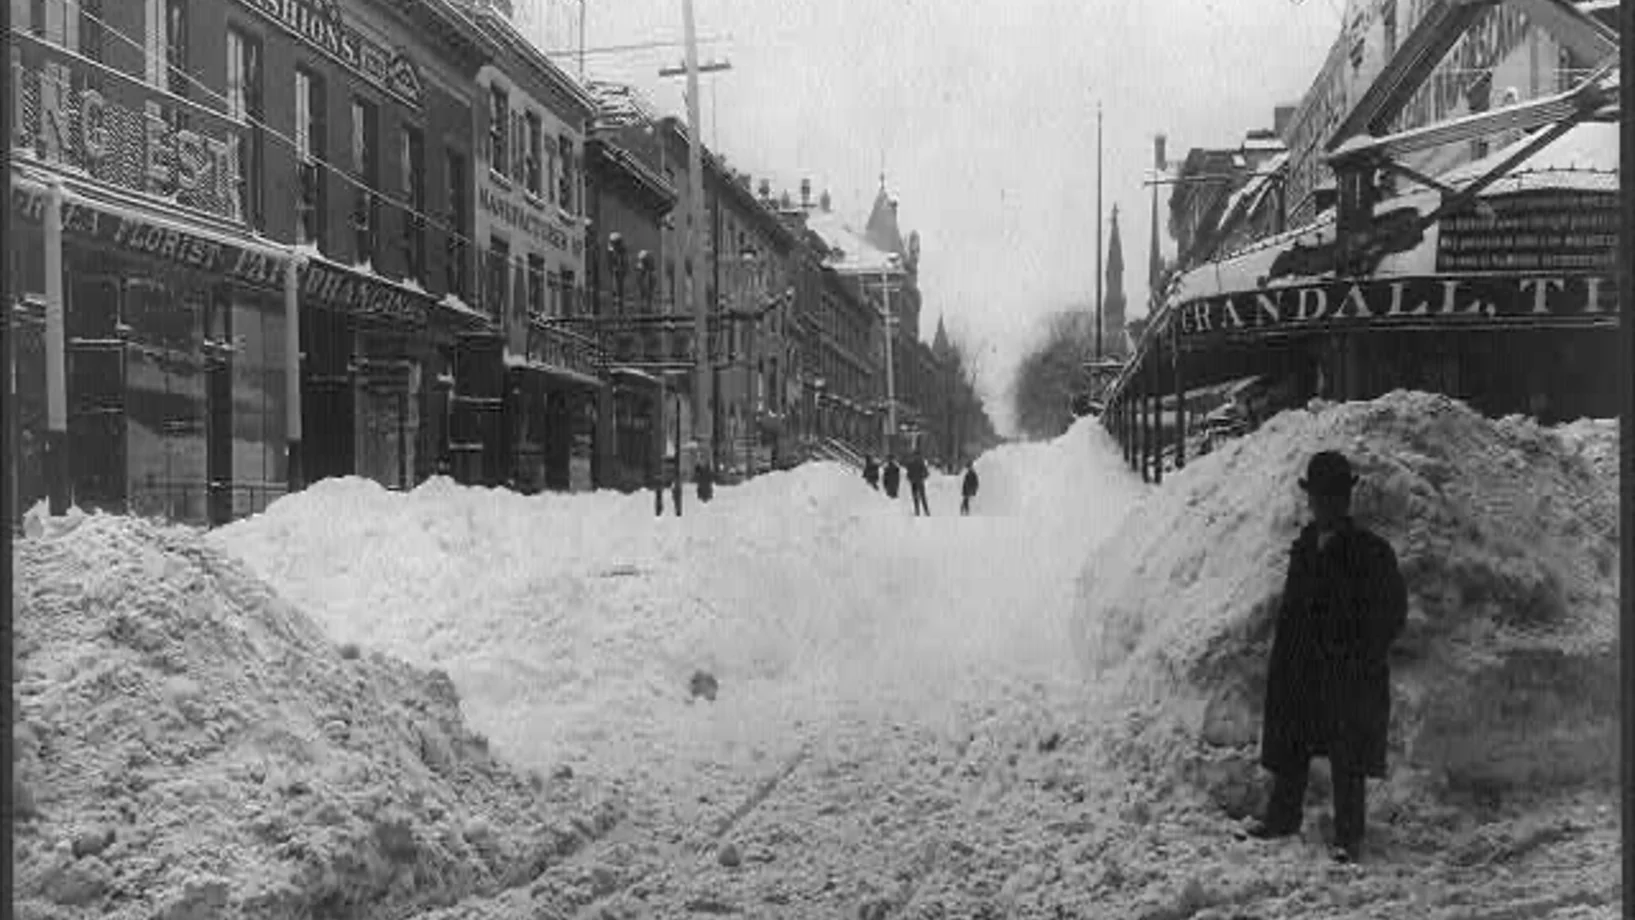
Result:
{"points": [[984, 114]]}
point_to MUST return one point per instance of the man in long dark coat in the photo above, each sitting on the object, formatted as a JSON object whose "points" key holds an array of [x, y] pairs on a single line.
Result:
{"points": [[891, 477], [871, 473], [918, 472], [1328, 685], [967, 489]]}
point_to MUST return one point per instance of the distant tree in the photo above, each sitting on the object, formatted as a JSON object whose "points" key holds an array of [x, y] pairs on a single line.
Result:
{"points": [[1050, 373], [969, 424]]}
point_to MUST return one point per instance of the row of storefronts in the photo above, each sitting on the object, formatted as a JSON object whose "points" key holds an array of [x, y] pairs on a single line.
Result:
{"points": [[279, 245], [1494, 279]]}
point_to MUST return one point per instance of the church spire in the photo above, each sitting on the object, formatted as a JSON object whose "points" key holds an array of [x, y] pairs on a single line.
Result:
{"points": [[1113, 312]]}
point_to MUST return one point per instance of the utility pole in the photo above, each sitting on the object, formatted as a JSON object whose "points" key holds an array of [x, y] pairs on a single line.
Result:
{"points": [[702, 423], [1155, 261], [1098, 231], [581, 41]]}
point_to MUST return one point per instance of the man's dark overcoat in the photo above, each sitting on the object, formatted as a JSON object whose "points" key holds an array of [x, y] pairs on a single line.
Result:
{"points": [[1328, 685]]}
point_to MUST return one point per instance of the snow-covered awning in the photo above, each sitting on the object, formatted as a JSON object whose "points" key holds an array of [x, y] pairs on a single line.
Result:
{"points": [[850, 251]]}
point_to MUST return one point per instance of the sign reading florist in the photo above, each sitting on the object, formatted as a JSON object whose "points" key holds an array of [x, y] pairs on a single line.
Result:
{"points": [[318, 23], [1490, 301]]}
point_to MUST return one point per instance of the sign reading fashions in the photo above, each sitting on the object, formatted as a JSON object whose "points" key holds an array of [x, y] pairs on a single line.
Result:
{"points": [[1534, 231], [1504, 300], [336, 287], [319, 24], [84, 131]]}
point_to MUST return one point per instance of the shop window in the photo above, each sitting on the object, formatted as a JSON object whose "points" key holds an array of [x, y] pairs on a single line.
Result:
{"points": [[412, 165], [536, 150], [536, 285], [365, 166], [310, 133], [260, 440], [499, 130], [244, 102], [455, 269]]}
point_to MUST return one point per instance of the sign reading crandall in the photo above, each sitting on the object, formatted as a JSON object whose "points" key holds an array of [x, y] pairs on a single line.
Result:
{"points": [[82, 130], [318, 23], [1549, 299]]}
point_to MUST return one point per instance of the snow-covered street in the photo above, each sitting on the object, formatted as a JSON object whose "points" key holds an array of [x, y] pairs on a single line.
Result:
{"points": [[1042, 710]]}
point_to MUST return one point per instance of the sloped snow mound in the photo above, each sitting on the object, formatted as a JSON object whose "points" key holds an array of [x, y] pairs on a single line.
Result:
{"points": [[1506, 676], [187, 744], [812, 488], [1077, 475]]}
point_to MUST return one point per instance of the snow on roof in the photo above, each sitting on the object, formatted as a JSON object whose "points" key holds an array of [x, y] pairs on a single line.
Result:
{"points": [[619, 105], [1585, 158], [1264, 143], [856, 253], [1251, 192]]}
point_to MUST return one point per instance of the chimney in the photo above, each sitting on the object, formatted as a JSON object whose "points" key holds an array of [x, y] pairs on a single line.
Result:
{"points": [[1281, 116], [783, 202], [806, 194], [823, 201], [766, 190]]}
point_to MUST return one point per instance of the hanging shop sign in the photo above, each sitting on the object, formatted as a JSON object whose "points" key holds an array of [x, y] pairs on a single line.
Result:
{"points": [[84, 131], [319, 24], [524, 218], [331, 285], [1534, 231], [1486, 301]]}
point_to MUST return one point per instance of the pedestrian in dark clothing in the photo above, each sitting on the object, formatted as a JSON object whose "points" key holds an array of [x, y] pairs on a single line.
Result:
{"points": [[1328, 682], [891, 477], [967, 489], [871, 473], [704, 479], [917, 473]]}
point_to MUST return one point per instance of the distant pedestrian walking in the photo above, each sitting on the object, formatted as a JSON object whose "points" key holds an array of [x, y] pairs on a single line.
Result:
{"points": [[967, 489], [1328, 682], [891, 477], [917, 474], [871, 473]]}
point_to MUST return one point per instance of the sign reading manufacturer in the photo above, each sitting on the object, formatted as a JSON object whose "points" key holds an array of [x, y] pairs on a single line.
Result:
{"points": [[319, 24], [84, 131], [522, 217], [1481, 300]]}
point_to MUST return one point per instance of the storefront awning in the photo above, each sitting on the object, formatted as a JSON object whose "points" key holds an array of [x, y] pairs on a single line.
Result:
{"points": [[552, 371], [1538, 250]]}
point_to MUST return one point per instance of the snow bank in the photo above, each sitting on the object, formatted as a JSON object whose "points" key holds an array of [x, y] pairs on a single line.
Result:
{"points": [[1505, 679], [188, 745]]}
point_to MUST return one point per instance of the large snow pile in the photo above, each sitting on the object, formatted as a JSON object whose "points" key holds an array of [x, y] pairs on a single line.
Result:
{"points": [[1505, 679], [187, 745]]}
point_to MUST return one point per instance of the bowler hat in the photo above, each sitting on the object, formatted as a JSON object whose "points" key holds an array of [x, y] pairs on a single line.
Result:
{"points": [[1328, 473]]}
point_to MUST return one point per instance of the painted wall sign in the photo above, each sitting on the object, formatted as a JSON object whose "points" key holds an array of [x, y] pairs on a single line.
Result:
{"points": [[526, 219], [1534, 231], [336, 287], [120, 146], [319, 24], [1482, 300], [1489, 40]]}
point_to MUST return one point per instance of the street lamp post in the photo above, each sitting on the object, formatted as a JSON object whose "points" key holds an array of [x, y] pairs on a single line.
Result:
{"points": [[891, 264]]}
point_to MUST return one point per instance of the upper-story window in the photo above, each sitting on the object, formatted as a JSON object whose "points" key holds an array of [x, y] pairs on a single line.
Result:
{"points": [[245, 103], [536, 151], [499, 130], [366, 166], [565, 193], [310, 134]]}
